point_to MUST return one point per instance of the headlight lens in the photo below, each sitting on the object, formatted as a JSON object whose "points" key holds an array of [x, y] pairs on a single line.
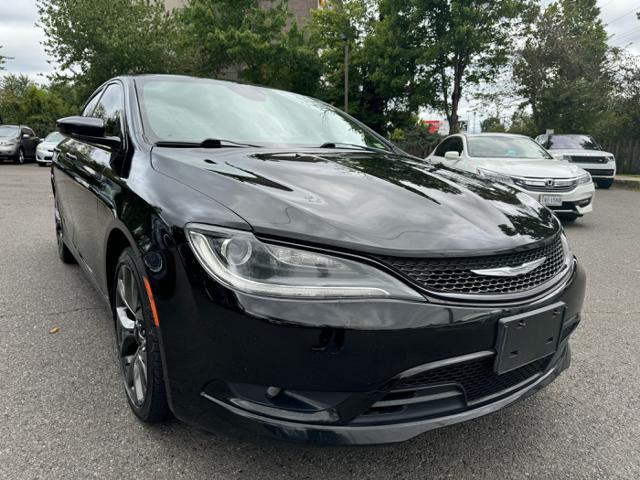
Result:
{"points": [[611, 158], [567, 249], [241, 262], [584, 179], [494, 176]]}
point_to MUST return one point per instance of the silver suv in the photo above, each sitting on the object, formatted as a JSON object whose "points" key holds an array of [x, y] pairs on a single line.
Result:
{"points": [[585, 151]]}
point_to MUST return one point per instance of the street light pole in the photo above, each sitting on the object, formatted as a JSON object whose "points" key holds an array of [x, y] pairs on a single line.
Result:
{"points": [[346, 72]]}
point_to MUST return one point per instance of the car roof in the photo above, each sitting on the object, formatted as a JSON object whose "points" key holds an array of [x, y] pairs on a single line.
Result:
{"points": [[492, 134]]}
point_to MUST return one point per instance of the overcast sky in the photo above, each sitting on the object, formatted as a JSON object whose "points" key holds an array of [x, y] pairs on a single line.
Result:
{"points": [[21, 39]]}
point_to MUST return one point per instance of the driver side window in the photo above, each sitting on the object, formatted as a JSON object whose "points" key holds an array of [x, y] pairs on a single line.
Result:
{"points": [[443, 148]]}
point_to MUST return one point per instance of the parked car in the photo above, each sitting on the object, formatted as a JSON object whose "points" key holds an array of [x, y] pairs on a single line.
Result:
{"points": [[274, 263], [585, 151], [44, 151], [17, 143], [518, 160]]}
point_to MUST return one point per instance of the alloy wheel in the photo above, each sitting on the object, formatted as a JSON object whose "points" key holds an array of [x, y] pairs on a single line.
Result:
{"points": [[131, 336]]}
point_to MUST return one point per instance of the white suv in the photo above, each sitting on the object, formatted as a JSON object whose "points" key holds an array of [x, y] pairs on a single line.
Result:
{"points": [[584, 150], [517, 160]]}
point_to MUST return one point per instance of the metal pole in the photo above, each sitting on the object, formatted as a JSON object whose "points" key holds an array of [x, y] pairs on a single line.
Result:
{"points": [[346, 76]]}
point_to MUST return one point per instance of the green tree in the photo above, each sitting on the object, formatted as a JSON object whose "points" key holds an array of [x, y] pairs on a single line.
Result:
{"points": [[461, 42], [562, 69], [386, 88], [94, 41], [24, 102], [492, 124], [260, 45]]}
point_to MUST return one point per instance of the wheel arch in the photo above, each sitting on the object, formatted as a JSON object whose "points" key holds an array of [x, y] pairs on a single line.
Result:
{"points": [[117, 242]]}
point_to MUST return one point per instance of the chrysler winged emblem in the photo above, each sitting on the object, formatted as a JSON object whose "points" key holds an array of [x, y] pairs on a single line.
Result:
{"points": [[511, 271]]}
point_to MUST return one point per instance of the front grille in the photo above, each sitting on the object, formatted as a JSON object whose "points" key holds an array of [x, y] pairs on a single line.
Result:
{"points": [[476, 378], [596, 172], [587, 159], [554, 188], [454, 275]]}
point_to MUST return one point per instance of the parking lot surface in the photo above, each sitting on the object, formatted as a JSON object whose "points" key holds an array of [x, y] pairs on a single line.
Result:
{"points": [[63, 412]]}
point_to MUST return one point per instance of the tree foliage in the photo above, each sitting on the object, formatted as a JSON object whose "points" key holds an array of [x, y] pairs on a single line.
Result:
{"points": [[562, 69], [94, 41], [24, 102], [260, 45]]}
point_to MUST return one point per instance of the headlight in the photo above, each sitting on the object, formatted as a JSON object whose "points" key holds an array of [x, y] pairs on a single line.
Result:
{"points": [[566, 158], [611, 158], [584, 179], [494, 176], [241, 262], [566, 248]]}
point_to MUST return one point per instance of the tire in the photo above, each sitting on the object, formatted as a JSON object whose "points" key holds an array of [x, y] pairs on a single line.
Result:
{"points": [[137, 344], [605, 183], [20, 159], [63, 251]]}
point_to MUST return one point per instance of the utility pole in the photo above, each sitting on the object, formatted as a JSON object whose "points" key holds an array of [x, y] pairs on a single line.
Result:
{"points": [[346, 72]]}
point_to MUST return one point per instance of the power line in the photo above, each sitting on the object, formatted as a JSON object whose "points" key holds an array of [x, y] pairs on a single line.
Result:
{"points": [[634, 10]]}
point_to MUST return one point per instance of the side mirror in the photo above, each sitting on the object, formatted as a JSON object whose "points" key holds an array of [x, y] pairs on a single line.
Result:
{"points": [[452, 155], [89, 129], [25, 135]]}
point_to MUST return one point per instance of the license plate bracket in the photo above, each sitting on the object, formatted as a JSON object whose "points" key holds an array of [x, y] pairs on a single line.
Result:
{"points": [[551, 200], [528, 337]]}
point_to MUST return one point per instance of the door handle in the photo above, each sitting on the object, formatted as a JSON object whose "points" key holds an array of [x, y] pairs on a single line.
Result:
{"points": [[72, 157]]}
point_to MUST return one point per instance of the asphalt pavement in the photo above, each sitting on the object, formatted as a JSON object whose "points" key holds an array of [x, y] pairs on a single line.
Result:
{"points": [[63, 413]]}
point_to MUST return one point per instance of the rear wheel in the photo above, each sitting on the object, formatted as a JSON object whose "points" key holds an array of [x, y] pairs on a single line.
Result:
{"points": [[63, 252], [137, 342], [604, 183]]}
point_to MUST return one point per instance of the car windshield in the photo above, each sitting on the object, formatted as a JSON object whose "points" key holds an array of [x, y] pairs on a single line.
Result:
{"points": [[194, 110], [573, 142], [8, 131], [498, 146], [54, 137]]}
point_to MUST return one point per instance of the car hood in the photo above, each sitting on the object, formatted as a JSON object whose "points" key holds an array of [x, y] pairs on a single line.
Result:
{"points": [[378, 203], [577, 151], [530, 168], [47, 145]]}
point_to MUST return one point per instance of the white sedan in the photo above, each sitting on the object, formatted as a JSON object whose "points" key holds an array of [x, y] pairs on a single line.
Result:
{"points": [[518, 160], [44, 151]]}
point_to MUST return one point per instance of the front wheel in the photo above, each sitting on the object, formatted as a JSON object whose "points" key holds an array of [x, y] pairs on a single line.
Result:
{"points": [[63, 251], [137, 342], [20, 157], [604, 183]]}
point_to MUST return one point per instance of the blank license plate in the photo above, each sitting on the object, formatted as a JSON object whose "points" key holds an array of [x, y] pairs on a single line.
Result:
{"points": [[551, 200], [528, 337]]}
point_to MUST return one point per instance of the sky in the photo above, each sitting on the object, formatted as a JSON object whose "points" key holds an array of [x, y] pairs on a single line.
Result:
{"points": [[22, 40]]}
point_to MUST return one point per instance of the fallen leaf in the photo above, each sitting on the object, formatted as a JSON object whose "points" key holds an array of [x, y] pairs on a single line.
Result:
{"points": [[54, 330]]}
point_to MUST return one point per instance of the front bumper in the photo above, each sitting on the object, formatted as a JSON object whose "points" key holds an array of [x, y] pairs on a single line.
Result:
{"points": [[600, 170], [578, 201], [44, 157], [334, 365], [8, 152]]}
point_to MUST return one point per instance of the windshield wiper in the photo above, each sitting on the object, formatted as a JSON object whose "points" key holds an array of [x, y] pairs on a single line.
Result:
{"points": [[353, 145], [208, 143]]}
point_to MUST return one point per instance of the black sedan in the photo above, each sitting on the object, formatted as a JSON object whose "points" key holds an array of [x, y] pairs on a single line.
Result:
{"points": [[272, 262]]}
